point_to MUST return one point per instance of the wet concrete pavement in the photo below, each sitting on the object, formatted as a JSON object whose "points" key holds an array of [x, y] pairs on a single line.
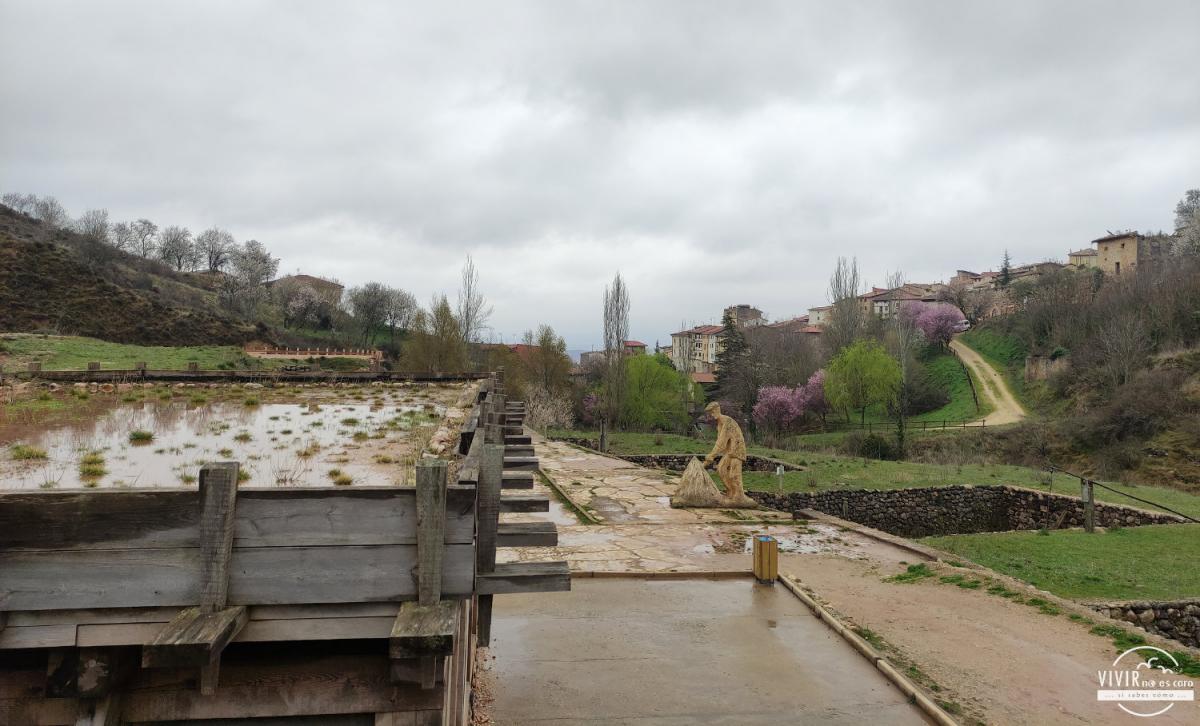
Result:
{"points": [[674, 652]]}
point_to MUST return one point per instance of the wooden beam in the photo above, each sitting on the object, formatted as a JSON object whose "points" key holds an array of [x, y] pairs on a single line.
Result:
{"points": [[527, 534], [431, 529], [520, 440], [105, 711], [218, 496], [518, 451], [194, 638], [424, 630], [487, 508], [518, 577], [259, 576], [524, 503], [283, 517], [520, 463]]}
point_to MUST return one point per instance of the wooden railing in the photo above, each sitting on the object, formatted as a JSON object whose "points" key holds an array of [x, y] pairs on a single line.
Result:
{"points": [[371, 353], [153, 605]]}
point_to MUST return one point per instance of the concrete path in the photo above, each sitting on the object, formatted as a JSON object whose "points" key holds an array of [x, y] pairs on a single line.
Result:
{"points": [[992, 385], [639, 532], [670, 653]]}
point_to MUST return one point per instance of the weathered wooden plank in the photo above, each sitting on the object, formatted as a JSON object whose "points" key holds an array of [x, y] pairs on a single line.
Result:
{"points": [[516, 577], [424, 630], [519, 440], [259, 576], [194, 638], [38, 636], [218, 496], [431, 527], [104, 711], [311, 686], [527, 534], [23, 618], [515, 450], [517, 480], [491, 474], [256, 631], [524, 503], [120, 519], [520, 463], [100, 518]]}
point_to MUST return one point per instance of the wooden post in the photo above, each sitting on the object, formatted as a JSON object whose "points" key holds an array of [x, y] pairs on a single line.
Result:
{"points": [[93, 365], [487, 513], [431, 529], [197, 635], [1089, 507]]}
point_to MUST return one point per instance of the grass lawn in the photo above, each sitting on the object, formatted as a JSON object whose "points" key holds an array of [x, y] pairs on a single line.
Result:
{"points": [[74, 353], [831, 471], [1139, 563]]}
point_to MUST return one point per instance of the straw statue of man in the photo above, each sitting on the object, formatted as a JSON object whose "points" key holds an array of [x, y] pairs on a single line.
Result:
{"points": [[731, 447]]}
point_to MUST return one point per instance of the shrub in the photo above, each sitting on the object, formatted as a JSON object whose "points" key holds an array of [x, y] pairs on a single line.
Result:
{"points": [[24, 452], [141, 436], [870, 446]]}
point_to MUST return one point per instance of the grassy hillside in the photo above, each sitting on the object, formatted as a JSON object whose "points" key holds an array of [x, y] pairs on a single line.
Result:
{"points": [[55, 281], [74, 353], [1138, 563]]}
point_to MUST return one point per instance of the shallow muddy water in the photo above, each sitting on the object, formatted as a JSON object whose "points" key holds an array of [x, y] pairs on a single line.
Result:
{"points": [[314, 442]]}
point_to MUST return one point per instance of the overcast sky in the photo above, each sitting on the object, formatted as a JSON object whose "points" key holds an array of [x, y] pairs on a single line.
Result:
{"points": [[713, 153]]}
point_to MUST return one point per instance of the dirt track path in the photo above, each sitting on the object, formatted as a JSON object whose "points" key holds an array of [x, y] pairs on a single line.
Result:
{"points": [[992, 385]]}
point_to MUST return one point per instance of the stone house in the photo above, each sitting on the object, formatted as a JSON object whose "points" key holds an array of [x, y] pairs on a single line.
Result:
{"points": [[1083, 258], [1125, 252]]}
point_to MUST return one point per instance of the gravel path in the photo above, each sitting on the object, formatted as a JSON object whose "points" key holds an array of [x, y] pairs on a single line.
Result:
{"points": [[992, 386]]}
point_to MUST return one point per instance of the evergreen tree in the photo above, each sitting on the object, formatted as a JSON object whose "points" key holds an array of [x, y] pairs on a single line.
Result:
{"points": [[736, 379], [1006, 270]]}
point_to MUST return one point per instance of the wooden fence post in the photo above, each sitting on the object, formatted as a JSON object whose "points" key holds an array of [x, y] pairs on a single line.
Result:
{"points": [[197, 635], [487, 512], [1089, 506]]}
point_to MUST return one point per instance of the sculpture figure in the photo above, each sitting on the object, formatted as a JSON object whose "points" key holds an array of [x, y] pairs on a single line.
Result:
{"points": [[696, 489], [731, 447]]}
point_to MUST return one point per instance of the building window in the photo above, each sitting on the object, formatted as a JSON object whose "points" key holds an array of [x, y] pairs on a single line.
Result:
{"points": [[1118, 268]]}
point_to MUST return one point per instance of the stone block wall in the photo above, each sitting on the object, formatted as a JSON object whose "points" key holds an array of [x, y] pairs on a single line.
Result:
{"points": [[1178, 620], [931, 511]]}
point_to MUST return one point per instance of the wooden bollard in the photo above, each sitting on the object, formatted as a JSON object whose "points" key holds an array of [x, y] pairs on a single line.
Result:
{"points": [[766, 559]]}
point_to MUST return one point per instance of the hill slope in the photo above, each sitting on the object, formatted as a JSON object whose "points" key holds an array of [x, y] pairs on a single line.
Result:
{"points": [[55, 281]]}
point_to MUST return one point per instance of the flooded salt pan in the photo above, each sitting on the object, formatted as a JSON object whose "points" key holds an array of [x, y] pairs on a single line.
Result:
{"points": [[163, 443]]}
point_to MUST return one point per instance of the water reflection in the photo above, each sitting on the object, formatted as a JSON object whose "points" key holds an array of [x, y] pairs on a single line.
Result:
{"points": [[286, 444]]}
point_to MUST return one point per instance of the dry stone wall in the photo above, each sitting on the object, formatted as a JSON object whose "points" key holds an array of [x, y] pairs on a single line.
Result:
{"points": [[1179, 619], [931, 511]]}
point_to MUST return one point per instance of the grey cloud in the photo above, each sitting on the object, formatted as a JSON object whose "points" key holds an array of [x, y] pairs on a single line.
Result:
{"points": [[715, 152]]}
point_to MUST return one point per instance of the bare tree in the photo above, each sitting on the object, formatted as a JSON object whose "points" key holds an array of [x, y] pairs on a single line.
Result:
{"points": [[1125, 343], [1187, 224], [145, 238], [216, 247], [23, 203], [120, 236], [93, 225], [176, 248], [401, 307], [846, 318], [473, 310], [904, 339], [51, 212], [616, 332]]}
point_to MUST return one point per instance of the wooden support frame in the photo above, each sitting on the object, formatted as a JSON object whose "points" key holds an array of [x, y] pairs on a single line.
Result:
{"points": [[197, 635], [487, 507]]}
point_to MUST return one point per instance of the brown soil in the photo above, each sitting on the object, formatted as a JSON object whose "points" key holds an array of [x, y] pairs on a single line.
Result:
{"points": [[991, 386], [1003, 662]]}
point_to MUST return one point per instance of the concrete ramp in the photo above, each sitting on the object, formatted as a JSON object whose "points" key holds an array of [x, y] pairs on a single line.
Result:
{"points": [[675, 652]]}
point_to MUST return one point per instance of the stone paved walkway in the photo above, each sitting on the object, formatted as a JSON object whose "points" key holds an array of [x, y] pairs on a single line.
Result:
{"points": [[638, 531]]}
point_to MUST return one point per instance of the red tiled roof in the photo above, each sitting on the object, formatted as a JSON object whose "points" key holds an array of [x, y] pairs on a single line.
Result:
{"points": [[634, 344], [1118, 235], [704, 377]]}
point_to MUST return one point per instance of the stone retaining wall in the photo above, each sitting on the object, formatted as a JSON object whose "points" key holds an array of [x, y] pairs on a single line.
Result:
{"points": [[1178, 620], [931, 511]]}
